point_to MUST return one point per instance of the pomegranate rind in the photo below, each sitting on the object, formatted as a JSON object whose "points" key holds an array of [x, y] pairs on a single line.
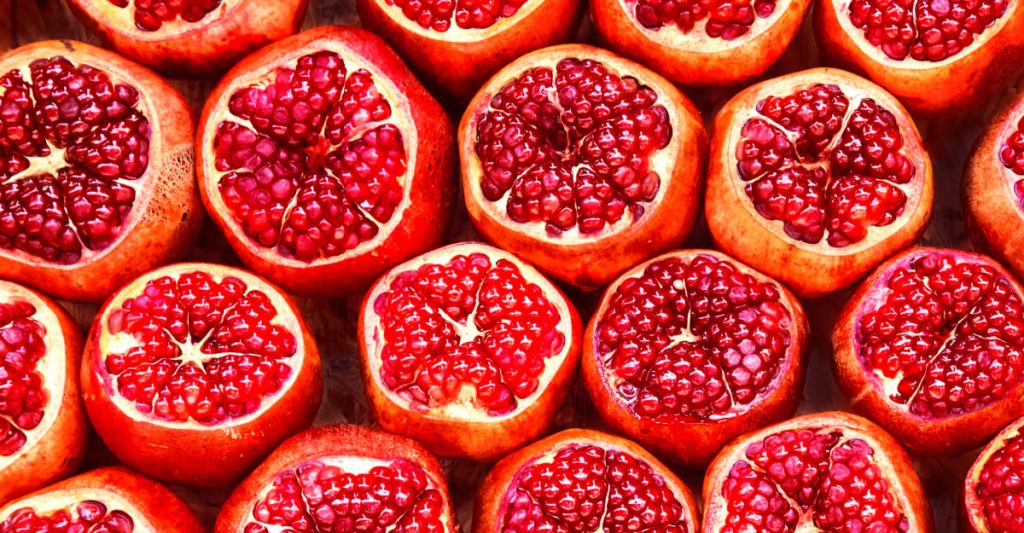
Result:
{"points": [[166, 214], [491, 500], [694, 444], [694, 58], [809, 270], [421, 219], [330, 441], [191, 453], [895, 465], [56, 447], [486, 438], [151, 506]]}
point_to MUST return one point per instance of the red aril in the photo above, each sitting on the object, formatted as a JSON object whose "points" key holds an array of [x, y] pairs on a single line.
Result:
{"points": [[97, 171], [467, 349], [342, 478], [194, 372], [815, 178], [691, 349], [105, 500], [581, 162], [325, 162], [992, 499], [931, 346], [583, 480], [43, 431], [821, 472]]}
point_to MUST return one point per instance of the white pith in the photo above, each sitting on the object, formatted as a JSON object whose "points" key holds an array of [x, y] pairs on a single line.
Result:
{"points": [[68, 499], [123, 19], [455, 33], [696, 40]]}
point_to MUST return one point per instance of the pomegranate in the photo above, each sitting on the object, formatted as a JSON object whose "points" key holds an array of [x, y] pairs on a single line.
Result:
{"points": [[325, 162], [189, 37], [992, 492], [581, 162], [930, 346], [819, 472], [458, 45], [43, 431], [342, 478], [815, 178], [695, 347], [583, 480], [702, 43], [938, 57], [104, 500], [96, 161], [194, 372]]}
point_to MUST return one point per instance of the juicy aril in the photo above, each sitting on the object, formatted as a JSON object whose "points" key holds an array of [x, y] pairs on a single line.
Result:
{"points": [[342, 478], [821, 472], [467, 349], [992, 499], [325, 162], [581, 162], [583, 480], [938, 57], [192, 373], [815, 178], [931, 347], [43, 431], [97, 172], [691, 349]]}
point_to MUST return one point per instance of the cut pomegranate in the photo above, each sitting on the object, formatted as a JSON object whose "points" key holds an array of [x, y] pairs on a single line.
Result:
{"points": [[937, 56], [582, 162], [189, 37], [583, 480], [815, 178], [105, 500], [342, 478], [193, 372], [325, 162], [820, 472], [931, 346], [694, 347], [993, 491], [467, 349], [96, 161]]}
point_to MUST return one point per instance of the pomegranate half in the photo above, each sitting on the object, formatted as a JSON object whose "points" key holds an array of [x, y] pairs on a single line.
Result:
{"points": [[194, 372], [97, 170], [815, 178], [582, 162], [993, 492], [931, 346], [467, 349], [43, 430], [325, 162], [691, 349], [827, 471], [342, 478]]}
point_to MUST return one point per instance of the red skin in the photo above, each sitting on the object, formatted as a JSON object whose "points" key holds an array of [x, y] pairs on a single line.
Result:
{"points": [[703, 439], [431, 187], [161, 229], [972, 514], [326, 441], [193, 454]]}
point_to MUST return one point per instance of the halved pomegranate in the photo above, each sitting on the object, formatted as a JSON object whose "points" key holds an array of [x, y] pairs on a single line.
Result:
{"points": [[582, 162], [931, 346], [993, 492], [43, 431], [458, 45], [190, 37], [937, 56], [691, 349], [702, 43], [815, 178], [194, 372], [583, 480], [325, 162], [821, 472], [96, 164], [467, 349], [342, 478]]}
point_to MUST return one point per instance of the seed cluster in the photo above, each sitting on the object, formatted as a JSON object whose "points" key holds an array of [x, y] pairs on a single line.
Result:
{"points": [[437, 15], [151, 15], [89, 516], [22, 396], [1001, 487], [725, 19], [1012, 156]]}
